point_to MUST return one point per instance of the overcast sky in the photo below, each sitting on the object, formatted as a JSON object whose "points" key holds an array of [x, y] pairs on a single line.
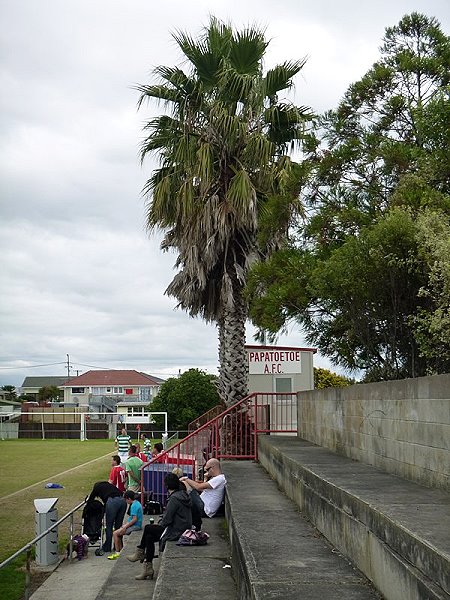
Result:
{"points": [[79, 275]]}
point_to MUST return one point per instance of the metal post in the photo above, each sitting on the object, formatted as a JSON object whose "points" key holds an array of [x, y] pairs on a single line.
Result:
{"points": [[28, 575], [70, 537], [42, 426]]}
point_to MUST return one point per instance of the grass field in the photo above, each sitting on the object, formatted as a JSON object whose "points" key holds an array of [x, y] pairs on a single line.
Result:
{"points": [[27, 462]]}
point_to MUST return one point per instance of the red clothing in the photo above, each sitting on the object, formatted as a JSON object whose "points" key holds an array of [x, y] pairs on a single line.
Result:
{"points": [[142, 456], [118, 477]]}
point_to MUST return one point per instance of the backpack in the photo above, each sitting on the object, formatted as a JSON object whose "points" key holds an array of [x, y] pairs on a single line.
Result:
{"points": [[192, 537], [152, 508]]}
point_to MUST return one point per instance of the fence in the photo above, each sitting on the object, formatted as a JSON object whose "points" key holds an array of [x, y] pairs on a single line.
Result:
{"points": [[28, 547], [230, 435]]}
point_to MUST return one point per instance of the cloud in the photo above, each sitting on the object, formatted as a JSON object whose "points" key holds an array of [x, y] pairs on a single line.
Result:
{"points": [[79, 274]]}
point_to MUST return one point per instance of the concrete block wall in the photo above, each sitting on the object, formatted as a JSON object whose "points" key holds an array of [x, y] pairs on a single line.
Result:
{"points": [[401, 427]]}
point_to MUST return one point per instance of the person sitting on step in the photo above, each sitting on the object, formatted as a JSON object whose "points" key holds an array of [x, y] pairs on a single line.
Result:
{"points": [[176, 519], [207, 496]]}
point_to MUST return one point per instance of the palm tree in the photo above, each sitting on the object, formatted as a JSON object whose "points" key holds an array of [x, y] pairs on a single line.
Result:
{"points": [[223, 146]]}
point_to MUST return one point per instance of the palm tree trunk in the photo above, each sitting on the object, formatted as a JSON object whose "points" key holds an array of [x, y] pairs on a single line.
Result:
{"points": [[233, 368]]}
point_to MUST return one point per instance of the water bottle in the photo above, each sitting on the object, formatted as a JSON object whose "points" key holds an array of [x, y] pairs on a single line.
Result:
{"points": [[152, 521]]}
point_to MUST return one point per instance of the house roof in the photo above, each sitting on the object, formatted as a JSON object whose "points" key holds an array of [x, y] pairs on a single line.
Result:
{"points": [[38, 382], [112, 377]]}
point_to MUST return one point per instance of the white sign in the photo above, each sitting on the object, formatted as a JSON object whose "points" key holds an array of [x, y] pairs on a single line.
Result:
{"points": [[274, 362]]}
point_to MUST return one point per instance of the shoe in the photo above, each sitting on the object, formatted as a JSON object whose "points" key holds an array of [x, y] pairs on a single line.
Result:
{"points": [[138, 555], [99, 552], [114, 555], [147, 572]]}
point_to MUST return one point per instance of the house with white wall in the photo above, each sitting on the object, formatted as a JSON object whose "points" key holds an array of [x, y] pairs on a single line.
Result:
{"points": [[128, 392]]}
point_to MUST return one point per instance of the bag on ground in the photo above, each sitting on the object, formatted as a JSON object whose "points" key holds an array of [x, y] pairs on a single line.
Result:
{"points": [[192, 537], [152, 508]]}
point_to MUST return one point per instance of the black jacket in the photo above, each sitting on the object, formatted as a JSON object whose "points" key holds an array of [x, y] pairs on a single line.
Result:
{"points": [[177, 516], [104, 490]]}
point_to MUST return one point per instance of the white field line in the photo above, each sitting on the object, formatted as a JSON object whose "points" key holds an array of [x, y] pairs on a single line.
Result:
{"points": [[56, 476]]}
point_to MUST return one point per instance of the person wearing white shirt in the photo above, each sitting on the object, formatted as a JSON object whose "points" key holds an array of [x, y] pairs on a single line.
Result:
{"points": [[207, 495]]}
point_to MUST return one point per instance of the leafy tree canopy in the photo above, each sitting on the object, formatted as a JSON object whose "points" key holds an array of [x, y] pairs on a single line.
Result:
{"points": [[363, 279], [186, 397], [49, 393], [10, 392], [323, 378]]}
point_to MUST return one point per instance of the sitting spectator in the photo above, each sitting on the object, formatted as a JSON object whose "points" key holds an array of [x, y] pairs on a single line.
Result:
{"points": [[212, 489], [196, 512], [176, 519], [117, 475], [134, 523]]}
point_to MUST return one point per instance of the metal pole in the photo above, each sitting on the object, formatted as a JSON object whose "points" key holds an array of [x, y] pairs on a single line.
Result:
{"points": [[28, 575], [42, 426], [70, 538]]}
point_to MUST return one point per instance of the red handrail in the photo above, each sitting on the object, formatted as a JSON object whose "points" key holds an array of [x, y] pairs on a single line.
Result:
{"points": [[230, 435]]}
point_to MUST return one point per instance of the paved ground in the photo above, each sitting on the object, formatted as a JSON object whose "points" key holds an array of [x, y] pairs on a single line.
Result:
{"points": [[96, 577]]}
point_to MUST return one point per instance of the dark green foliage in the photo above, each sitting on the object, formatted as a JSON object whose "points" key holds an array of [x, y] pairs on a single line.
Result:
{"points": [[10, 392], [50, 393], [323, 378], [359, 279], [186, 397]]}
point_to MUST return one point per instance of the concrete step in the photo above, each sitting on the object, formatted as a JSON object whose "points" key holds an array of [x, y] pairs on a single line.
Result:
{"points": [[276, 553], [395, 531], [193, 572]]}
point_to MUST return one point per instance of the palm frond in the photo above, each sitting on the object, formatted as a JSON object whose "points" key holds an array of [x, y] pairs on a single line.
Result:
{"points": [[241, 194], [247, 51], [280, 77], [206, 64]]}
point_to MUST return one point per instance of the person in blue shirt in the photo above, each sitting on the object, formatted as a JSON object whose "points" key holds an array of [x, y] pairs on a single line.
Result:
{"points": [[134, 522]]}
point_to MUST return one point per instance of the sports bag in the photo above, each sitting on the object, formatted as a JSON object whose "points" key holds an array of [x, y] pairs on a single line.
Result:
{"points": [[192, 537], [152, 508]]}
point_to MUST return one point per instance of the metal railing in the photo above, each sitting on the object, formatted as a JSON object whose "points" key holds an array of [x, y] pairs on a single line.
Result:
{"points": [[230, 435], [205, 417], [28, 547]]}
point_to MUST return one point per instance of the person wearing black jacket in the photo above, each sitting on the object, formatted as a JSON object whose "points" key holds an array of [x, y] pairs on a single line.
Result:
{"points": [[176, 519], [115, 509]]}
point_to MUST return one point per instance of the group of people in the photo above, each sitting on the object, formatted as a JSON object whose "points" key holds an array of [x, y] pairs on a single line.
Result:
{"points": [[189, 502]]}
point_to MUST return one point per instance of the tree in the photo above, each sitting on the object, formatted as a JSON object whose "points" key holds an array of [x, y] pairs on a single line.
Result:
{"points": [[186, 397], [225, 170], [10, 392], [323, 378], [49, 393], [432, 327], [359, 279]]}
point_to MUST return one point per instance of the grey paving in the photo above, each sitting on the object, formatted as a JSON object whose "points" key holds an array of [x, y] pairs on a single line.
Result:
{"points": [[79, 579]]}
